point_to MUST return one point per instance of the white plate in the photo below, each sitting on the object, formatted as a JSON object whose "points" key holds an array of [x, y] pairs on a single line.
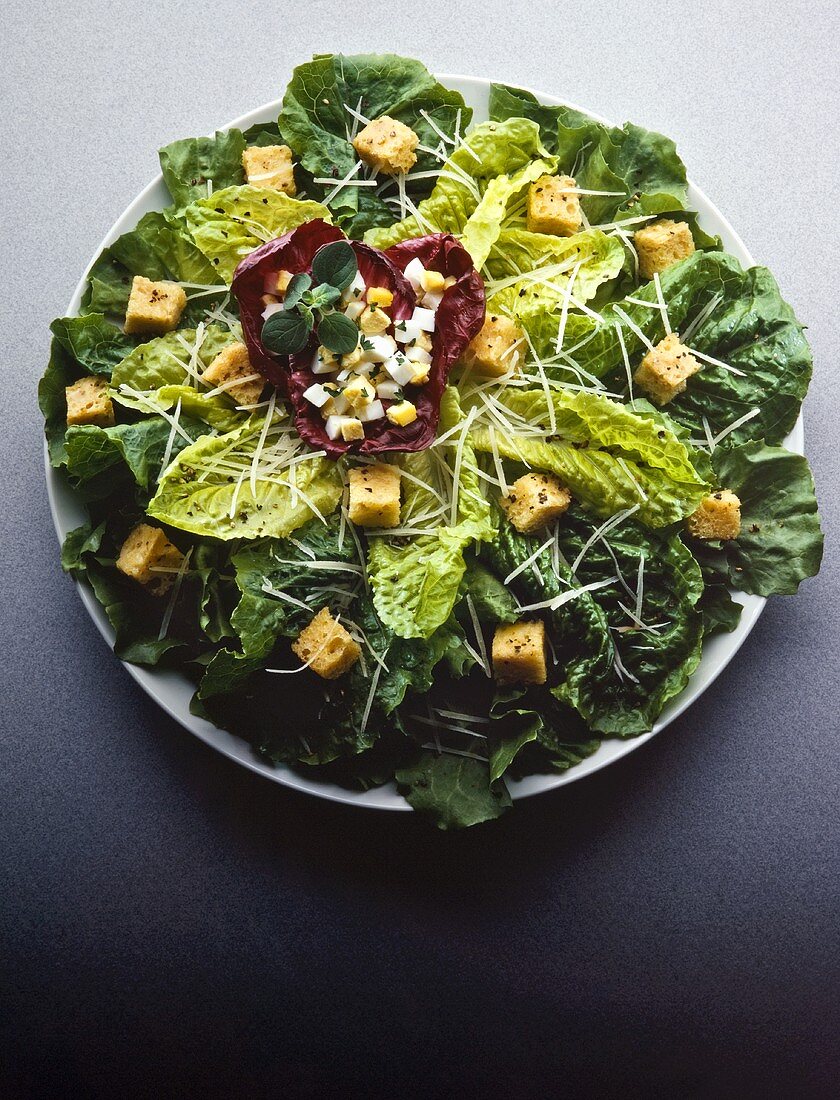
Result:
{"points": [[173, 691]]}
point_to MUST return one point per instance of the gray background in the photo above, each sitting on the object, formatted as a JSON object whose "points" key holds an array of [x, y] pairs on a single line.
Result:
{"points": [[169, 920]]}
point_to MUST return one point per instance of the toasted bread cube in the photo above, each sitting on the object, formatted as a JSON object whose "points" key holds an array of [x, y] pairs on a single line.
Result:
{"points": [[402, 414], [269, 166], [148, 557], [554, 206], [534, 501], [154, 307], [661, 244], [718, 517], [326, 646], [233, 363], [88, 402], [375, 495], [373, 321], [496, 348], [665, 369], [387, 145], [519, 653], [380, 296]]}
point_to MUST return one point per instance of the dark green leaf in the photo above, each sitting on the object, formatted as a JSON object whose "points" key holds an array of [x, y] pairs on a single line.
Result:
{"points": [[188, 165], [297, 285], [335, 264], [285, 333], [454, 791], [338, 333]]}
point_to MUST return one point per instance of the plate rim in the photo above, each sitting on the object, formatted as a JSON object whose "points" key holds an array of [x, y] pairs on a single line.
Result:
{"points": [[152, 680]]}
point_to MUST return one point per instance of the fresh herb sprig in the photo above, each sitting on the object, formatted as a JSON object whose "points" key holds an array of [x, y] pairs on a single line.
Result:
{"points": [[310, 305]]}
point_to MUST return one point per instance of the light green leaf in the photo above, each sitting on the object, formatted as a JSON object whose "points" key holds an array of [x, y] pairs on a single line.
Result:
{"points": [[190, 164], [231, 223], [164, 360], [608, 456], [208, 489]]}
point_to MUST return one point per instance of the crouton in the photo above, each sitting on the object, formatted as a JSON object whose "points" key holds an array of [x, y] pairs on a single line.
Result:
{"points": [[230, 364], [387, 145], [88, 402], [154, 307], [519, 653], [661, 244], [718, 517], [496, 348], [326, 646], [375, 495], [554, 206], [270, 166], [148, 557], [534, 501], [665, 369]]}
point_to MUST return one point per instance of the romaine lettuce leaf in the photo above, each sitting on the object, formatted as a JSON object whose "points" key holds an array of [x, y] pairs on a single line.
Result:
{"points": [[641, 165], [452, 791], [229, 224], [190, 165], [610, 457], [317, 124], [478, 181], [780, 543], [415, 582], [164, 360], [217, 487]]}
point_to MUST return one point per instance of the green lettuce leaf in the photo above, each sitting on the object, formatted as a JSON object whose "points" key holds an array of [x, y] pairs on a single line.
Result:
{"points": [[229, 224], [641, 165], [415, 581], [189, 165], [780, 543], [208, 489], [610, 457], [318, 127], [452, 791], [477, 182], [164, 360], [80, 346]]}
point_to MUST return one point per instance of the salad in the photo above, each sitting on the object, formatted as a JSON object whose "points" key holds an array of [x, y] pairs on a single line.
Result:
{"points": [[429, 450]]}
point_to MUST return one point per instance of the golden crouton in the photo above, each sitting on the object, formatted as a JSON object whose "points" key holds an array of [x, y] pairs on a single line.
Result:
{"points": [[534, 501], [497, 348], [269, 166], [665, 369], [387, 145], [154, 307], [375, 495], [661, 244], [326, 646], [519, 653], [88, 402], [554, 206], [233, 363], [148, 557], [718, 517]]}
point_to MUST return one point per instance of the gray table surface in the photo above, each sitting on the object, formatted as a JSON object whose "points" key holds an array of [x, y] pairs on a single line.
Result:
{"points": [[170, 921]]}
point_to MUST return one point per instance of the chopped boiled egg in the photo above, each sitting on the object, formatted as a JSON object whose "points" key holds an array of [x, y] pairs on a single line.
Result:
{"points": [[414, 272], [271, 309], [356, 289], [424, 319], [388, 391], [354, 310], [417, 355], [432, 282], [400, 369], [359, 392], [380, 296], [377, 349], [402, 414], [348, 427], [372, 411], [316, 395]]}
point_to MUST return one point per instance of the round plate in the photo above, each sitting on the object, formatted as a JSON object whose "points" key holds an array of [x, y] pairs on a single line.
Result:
{"points": [[173, 690]]}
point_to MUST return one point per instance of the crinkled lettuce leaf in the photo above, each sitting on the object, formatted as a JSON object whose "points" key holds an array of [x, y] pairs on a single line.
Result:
{"points": [[780, 543], [641, 165], [229, 224], [209, 489], [452, 791], [192, 165], [318, 126], [164, 360], [610, 457], [529, 272], [415, 579], [472, 193], [80, 346]]}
